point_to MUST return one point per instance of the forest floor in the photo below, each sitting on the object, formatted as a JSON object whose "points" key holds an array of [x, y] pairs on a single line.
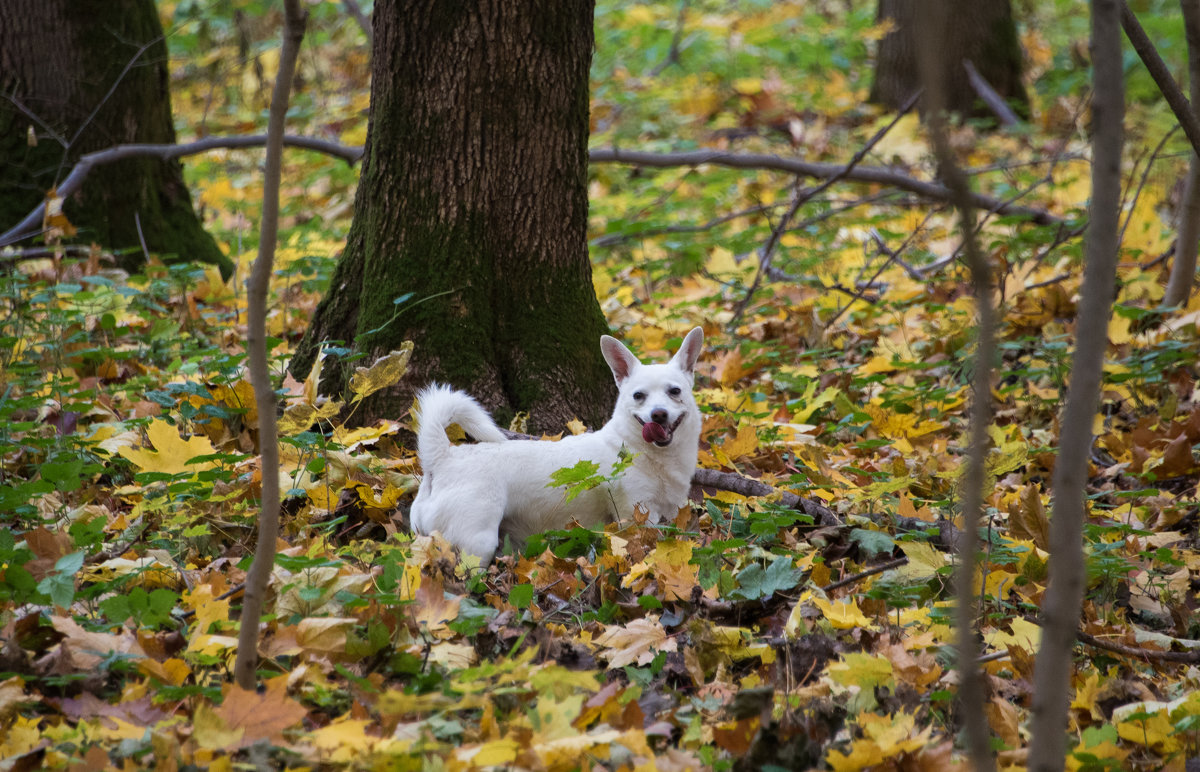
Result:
{"points": [[745, 635]]}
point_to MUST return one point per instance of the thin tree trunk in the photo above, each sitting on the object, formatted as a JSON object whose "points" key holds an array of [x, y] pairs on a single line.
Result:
{"points": [[1064, 596], [1187, 237], [77, 76], [258, 579], [469, 233], [972, 693]]}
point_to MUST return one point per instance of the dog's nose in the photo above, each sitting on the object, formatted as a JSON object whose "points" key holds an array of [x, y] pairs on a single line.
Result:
{"points": [[659, 416]]}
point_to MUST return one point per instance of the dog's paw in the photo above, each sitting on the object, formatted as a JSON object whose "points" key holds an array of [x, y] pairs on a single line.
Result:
{"points": [[652, 432]]}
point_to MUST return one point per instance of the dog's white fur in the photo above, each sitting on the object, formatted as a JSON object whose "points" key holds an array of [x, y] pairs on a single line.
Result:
{"points": [[476, 494]]}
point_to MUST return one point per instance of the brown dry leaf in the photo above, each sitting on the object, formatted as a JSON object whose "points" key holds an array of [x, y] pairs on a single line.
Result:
{"points": [[432, 610], [86, 649], [325, 635], [673, 569], [636, 642], [252, 716], [1005, 722], [12, 694], [1027, 518]]}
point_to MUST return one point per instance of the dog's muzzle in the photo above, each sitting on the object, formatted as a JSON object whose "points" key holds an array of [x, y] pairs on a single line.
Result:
{"points": [[659, 434]]}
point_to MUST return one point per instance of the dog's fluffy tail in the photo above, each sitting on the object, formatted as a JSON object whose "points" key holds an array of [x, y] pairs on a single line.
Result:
{"points": [[438, 406]]}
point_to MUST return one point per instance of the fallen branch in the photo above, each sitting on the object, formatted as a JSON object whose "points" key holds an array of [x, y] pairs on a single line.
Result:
{"points": [[1135, 652], [745, 486], [866, 174], [352, 154], [31, 225]]}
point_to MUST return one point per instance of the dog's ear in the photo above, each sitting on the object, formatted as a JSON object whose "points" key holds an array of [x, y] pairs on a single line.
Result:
{"points": [[620, 359], [689, 352]]}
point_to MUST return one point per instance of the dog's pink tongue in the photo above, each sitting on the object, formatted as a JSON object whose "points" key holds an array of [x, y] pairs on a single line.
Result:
{"points": [[652, 432]]}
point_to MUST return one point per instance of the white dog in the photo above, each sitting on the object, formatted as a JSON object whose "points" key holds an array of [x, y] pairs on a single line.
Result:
{"points": [[476, 494]]}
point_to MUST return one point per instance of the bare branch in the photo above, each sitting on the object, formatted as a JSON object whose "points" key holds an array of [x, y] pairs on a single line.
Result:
{"points": [[1183, 269], [868, 174], [727, 481], [1162, 76], [994, 101], [31, 225]]}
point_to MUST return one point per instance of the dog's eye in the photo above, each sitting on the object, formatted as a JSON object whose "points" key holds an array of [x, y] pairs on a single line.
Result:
{"points": [[639, 395], [674, 391]]}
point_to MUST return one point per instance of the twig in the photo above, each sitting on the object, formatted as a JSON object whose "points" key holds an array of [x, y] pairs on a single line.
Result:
{"points": [[1142, 182], [881, 246], [611, 239], [104, 100], [994, 101], [803, 196], [31, 115], [892, 255], [879, 569], [1161, 75], [868, 174], [672, 56], [137, 221]]}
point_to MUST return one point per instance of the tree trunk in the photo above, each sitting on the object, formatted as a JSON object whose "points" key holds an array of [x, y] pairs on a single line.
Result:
{"points": [[75, 69], [1187, 239], [979, 31], [1062, 602], [472, 207]]}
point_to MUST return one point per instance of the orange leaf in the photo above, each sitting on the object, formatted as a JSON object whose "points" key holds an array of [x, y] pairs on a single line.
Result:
{"points": [[260, 716]]}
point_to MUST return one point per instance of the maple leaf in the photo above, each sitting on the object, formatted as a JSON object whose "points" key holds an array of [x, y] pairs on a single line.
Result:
{"points": [[755, 582], [251, 716], [673, 569], [171, 453], [386, 371], [433, 608], [843, 615], [636, 642]]}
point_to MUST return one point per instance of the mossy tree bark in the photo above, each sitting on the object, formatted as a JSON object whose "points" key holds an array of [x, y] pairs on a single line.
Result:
{"points": [[473, 205], [90, 74], [979, 31]]}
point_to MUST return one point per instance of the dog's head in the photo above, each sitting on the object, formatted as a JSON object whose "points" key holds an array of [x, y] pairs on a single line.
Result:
{"points": [[655, 401]]}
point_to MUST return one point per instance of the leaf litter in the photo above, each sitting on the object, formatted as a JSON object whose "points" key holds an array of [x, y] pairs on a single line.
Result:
{"points": [[743, 635]]}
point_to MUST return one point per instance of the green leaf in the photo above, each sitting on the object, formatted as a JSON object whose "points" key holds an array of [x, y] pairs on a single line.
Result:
{"points": [[520, 596], [576, 479], [65, 475], [755, 582], [872, 543]]}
